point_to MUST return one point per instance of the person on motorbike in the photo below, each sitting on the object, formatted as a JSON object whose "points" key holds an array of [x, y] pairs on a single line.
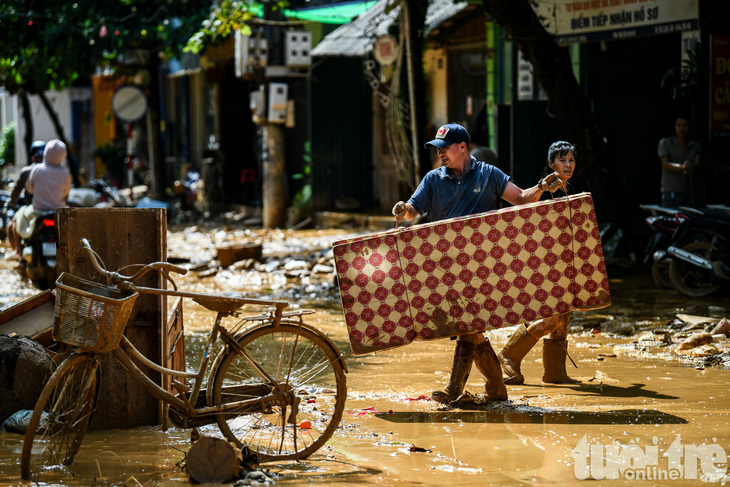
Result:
{"points": [[50, 183], [19, 195]]}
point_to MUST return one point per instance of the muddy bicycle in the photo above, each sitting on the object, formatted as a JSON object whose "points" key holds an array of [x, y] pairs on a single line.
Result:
{"points": [[276, 385]]}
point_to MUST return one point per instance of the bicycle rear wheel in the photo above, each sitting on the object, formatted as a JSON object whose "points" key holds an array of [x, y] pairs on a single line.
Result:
{"points": [[60, 416], [308, 366]]}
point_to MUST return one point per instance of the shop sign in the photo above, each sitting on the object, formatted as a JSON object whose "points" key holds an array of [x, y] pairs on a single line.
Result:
{"points": [[720, 84], [573, 21]]}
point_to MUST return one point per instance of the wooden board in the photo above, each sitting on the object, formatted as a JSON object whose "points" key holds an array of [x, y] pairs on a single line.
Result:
{"points": [[471, 274], [28, 317], [173, 352], [697, 320], [32, 318], [121, 237]]}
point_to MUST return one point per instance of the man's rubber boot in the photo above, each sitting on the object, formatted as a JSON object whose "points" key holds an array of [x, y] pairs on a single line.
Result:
{"points": [[554, 353], [463, 359], [488, 364], [512, 354]]}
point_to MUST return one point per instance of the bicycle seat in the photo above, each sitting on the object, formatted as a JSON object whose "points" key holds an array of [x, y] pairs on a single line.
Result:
{"points": [[220, 303]]}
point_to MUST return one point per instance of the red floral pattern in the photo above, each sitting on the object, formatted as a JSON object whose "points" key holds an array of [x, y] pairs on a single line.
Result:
{"points": [[471, 273]]}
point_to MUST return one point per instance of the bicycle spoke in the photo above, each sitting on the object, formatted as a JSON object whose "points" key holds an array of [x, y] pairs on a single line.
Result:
{"points": [[304, 365], [315, 371], [61, 415]]}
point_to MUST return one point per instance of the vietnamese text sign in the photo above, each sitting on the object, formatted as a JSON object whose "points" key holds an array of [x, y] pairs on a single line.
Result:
{"points": [[720, 85], [573, 21]]}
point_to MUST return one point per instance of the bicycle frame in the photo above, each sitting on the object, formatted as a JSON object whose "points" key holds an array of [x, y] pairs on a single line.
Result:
{"points": [[305, 378], [224, 306], [186, 405]]}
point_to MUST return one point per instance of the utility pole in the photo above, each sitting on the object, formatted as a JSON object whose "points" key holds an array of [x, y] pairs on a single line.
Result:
{"points": [[411, 92], [273, 55], [273, 190], [274, 185]]}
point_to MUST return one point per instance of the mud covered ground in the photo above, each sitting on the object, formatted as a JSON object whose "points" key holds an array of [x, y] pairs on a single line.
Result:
{"points": [[643, 413]]}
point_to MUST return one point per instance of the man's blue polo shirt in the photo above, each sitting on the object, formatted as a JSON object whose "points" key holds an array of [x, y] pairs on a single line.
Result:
{"points": [[445, 196]]}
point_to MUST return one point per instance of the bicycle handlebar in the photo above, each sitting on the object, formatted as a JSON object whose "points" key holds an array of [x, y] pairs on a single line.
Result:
{"points": [[116, 277], [214, 302], [85, 245]]}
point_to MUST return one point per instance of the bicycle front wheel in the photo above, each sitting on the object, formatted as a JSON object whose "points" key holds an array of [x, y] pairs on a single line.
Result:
{"points": [[302, 362], [60, 416]]}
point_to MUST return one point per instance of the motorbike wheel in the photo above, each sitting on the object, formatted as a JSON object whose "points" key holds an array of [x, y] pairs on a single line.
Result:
{"points": [[660, 273], [690, 280], [43, 278]]}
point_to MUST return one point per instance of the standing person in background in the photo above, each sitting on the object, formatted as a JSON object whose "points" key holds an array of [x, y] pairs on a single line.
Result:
{"points": [[680, 158], [560, 161], [464, 186]]}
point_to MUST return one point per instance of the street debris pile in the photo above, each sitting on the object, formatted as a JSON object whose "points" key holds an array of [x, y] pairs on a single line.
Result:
{"points": [[214, 460], [279, 264], [694, 340]]}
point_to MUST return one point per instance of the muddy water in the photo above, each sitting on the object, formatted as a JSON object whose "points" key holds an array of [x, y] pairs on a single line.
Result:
{"points": [[636, 402]]}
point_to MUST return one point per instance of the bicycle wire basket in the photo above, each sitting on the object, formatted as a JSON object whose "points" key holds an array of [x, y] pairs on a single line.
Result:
{"points": [[90, 315]]}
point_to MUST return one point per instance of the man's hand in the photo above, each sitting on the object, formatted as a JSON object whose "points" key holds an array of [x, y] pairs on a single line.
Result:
{"points": [[551, 183], [399, 211], [688, 167]]}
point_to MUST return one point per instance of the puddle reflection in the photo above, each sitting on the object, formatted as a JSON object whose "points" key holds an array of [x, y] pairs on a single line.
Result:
{"points": [[536, 416], [632, 391]]}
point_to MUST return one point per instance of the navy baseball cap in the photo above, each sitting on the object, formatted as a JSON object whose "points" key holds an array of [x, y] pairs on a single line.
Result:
{"points": [[451, 133]]}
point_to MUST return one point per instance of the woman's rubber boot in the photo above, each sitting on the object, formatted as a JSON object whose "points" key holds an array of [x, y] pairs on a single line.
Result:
{"points": [[463, 359], [512, 354], [488, 364], [554, 353]]}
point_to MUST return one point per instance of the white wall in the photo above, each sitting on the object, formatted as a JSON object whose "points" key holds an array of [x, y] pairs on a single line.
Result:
{"points": [[7, 108], [42, 126], [435, 62]]}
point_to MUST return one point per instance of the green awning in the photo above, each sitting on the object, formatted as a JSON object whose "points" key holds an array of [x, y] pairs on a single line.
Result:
{"points": [[333, 14], [340, 13]]}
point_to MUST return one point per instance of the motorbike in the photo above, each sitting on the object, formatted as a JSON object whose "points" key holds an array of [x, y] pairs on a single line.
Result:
{"points": [[6, 213], [663, 222], [97, 194], [187, 188], [700, 251], [109, 195], [38, 251]]}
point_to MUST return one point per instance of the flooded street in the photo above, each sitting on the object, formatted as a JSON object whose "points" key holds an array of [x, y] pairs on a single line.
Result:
{"points": [[662, 416]]}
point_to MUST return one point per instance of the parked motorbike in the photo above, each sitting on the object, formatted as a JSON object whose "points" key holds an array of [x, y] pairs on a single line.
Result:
{"points": [[109, 195], [187, 188], [6, 214], [701, 251], [663, 222], [100, 194]]}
